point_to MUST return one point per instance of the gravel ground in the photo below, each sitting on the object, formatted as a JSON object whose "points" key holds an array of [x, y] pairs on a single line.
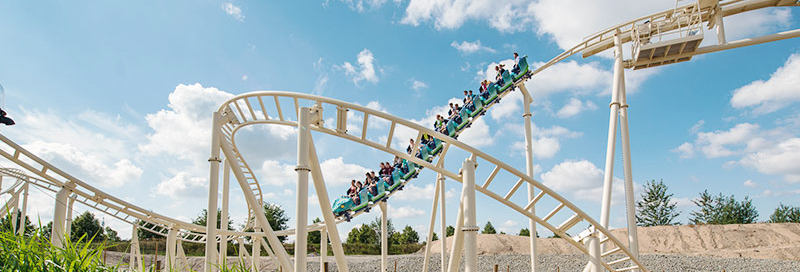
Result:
{"points": [[555, 262]]}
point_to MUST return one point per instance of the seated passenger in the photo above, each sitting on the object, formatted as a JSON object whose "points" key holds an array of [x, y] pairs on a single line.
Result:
{"points": [[454, 116], [353, 192], [499, 77], [427, 140], [468, 100], [410, 146], [397, 163], [5, 120], [515, 70], [484, 89], [440, 124]]}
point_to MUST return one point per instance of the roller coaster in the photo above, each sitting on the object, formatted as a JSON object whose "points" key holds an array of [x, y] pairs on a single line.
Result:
{"points": [[663, 38]]}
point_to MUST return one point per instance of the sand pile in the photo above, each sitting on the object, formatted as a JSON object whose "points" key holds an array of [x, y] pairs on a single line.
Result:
{"points": [[762, 241]]}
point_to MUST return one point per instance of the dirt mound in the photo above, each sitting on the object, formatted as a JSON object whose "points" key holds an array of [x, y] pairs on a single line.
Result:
{"points": [[761, 241]]}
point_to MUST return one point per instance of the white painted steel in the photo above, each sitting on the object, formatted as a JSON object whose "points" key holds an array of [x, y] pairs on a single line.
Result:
{"points": [[630, 207], [24, 213], [57, 235], [68, 225], [327, 213], [429, 239], [323, 249], [457, 246], [720, 27], [226, 186], [608, 176], [526, 116], [470, 219], [256, 255], [443, 228], [301, 204], [592, 242], [171, 250], [384, 237], [135, 253], [211, 264]]}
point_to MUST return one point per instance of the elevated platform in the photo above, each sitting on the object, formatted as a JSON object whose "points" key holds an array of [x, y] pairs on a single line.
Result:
{"points": [[666, 52]]}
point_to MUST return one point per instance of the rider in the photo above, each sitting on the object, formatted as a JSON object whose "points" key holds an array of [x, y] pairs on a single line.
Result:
{"points": [[515, 70], [5, 120]]}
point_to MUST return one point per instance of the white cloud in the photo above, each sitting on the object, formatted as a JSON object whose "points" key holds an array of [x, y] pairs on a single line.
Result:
{"points": [[717, 144], [404, 212], [183, 184], [244, 77], [686, 150], [546, 141], [780, 159], [757, 22], [412, 192], [467, 48], [365, 69], [232, 10], [780, 90], [574, 107], [277, 174], [336, 171], [417, 85], [184, 129], [750, 183], [583, 180], [503, 15], [115, 175], [362, 5]]}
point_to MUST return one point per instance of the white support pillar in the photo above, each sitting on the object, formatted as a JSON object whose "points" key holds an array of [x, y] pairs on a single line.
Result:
{"points": [[301, 207], [440, 180], [526, 102], [720, 26], [458, 239], [136, 253], [470, 219], [592, 243], [323, 249], [612, 134], [327, 212], [24, 214], [430, 227], [256, 261], [384, 237], [15, 210], [59, 212], [223, 239], [68, 227], [171, 250], [633, 237], [211, 264]]}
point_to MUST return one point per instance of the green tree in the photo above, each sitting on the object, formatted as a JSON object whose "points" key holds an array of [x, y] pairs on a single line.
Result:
{"points": [[434, 237], [86, 225], [723, 209], [376, 228], [314, 237], [363, 235], [488, 229], [277, 218], [782, 214], [202, 219], [145, 234], [47, 230], [450, 231], [656, 208], [524, 232], [5, 223], [111, 235], [408, 236]]}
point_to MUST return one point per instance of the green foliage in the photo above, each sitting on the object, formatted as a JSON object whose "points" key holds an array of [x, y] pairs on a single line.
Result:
{"points": [[86, 227], [488, 228], [450, 231], [785, 214], [314, 237], [524, 232], [144, 234], [434, 237], [5, 223], [111, 235], [656, 208], [202, 219], [408, 236], [723, 209], [277, 218], [363, 235]]}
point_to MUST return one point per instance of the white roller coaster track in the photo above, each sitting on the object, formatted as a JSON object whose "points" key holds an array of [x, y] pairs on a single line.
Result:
{"points": [[266, 108]]}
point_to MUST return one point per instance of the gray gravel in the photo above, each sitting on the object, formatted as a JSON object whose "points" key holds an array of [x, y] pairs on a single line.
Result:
{"points": [[558, 262]]}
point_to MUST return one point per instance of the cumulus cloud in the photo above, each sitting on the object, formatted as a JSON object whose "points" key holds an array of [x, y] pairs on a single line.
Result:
{"points": [[780, 90], [546, 141], [753, 23], [780, 159], [234, 11], [467, 48], [363, 70], [503, 15], [335, 172], [583, 180], [750, 183], [686, 150], [412, 192], [418, 85], [362, 5], [574, 107], [718, 143], [404, 212], [183, 184]]}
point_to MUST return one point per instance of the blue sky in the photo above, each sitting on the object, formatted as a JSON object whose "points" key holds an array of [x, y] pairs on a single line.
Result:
{"points": [[121, 94]]}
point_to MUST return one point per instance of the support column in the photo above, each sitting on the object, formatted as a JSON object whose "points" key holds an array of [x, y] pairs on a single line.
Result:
{"points": [[720, 26], [211, 264], [171, 249], [384, 237], [592, 243], [633, 236], [301, 207], [59, 212], [612, 133], [470, 220], [440, 180], [430, 228], [24, 214], [68, 227], [457, 247], [256, 260], [323, 249], [136, 253], [526, 102], [223, 239], [327, 212], [15, 210]]}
